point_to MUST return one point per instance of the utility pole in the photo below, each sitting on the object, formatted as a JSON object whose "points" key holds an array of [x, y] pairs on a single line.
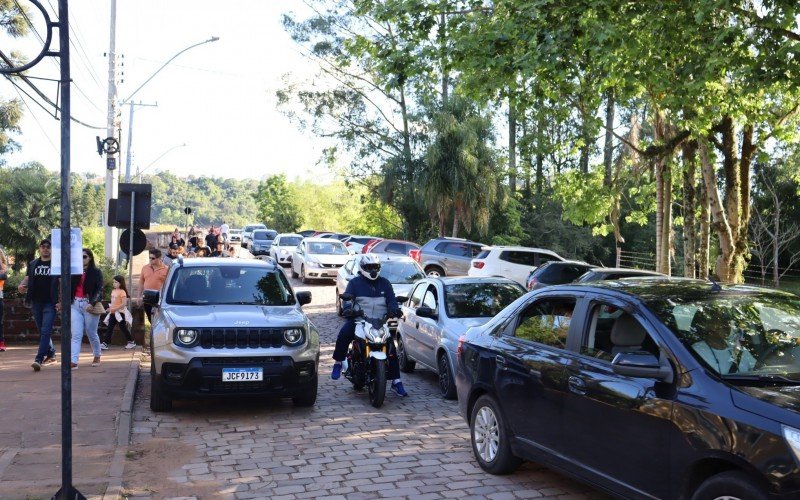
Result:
{"points": [[111, 243], [128, 155]]}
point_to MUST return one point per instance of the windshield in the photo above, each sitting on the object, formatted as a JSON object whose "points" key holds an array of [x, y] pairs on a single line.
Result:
{"points": [[738, 333], [332, 248], [477, 300], [229, 285], [401, 272], [290, 241], [264, 235]]}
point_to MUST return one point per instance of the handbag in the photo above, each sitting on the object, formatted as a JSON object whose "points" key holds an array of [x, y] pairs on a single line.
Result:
{"points": [[97, 308]]}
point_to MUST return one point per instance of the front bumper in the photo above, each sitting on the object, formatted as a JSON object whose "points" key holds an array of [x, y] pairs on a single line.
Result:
{"points": [[321, 273], [202, 376]]}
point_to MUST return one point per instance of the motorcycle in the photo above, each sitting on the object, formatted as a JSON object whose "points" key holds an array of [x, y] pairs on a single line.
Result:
{"points": [[366, 361]]}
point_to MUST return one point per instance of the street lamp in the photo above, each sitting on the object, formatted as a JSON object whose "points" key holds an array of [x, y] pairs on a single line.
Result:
{"points": [[139, 173], [131, 103]]}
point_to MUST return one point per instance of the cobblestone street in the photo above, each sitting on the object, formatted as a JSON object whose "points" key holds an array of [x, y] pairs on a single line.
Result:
{"points": [[414, 447]]}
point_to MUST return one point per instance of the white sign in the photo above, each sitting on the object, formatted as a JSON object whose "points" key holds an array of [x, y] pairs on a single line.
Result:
{"points": [[75, 249]]}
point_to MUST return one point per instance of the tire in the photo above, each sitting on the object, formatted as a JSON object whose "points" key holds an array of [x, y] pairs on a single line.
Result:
{"points": [[490, 438], [339, 310], [407, 365], [377, 386], [434, 272], [310, 397], [159, 402], [730, 485], [303, 275], [447, 383], [294, 274]]}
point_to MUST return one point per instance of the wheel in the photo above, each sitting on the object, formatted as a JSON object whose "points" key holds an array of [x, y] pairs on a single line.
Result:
{"points": [[339, 310], [407, 365], [434, 271], [447, 383], [309, 398], [730, 485], [294, 274], [490, 439], [158, 400], [303, 275], [377, 386]]}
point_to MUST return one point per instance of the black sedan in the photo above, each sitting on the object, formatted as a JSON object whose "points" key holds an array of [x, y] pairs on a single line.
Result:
{"points": [[642, 387]]}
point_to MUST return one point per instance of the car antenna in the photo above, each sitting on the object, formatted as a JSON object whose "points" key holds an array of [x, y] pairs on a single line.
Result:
{"points": [[715, 287]]}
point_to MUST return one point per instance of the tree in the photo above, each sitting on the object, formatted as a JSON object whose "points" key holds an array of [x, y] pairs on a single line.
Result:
{"points": [[276, 207]]}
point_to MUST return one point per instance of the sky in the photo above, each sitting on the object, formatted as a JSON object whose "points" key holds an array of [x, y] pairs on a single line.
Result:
{"points": [[218, 98]]}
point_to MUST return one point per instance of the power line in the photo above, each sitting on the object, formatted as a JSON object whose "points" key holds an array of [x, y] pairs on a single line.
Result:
{"points": [[38, 123], [79, 48]]}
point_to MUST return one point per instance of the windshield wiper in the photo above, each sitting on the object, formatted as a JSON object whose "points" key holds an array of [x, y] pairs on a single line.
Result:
{"points": [[773, 378]]}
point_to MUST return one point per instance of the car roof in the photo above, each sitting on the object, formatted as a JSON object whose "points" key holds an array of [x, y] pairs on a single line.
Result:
{"points": [[568, 262], [289, 234], [525, 249], [225, 262], [623, 270], [392, 240], [390, 257], [459, 280], [321, 240]]}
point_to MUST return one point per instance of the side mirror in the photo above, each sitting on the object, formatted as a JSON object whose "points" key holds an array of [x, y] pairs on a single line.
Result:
{"points": [[426, 312], [151, 297], [641, 364], [346, 296], [303, 298], [401, 299]]}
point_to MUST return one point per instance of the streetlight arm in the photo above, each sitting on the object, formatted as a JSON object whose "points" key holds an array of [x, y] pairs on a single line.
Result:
{"points": [[212, 39]]}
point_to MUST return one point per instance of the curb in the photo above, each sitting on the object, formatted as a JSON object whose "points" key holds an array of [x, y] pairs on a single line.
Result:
{"points": [[114, 490]]}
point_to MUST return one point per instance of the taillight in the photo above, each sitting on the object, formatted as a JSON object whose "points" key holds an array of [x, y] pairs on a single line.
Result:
{"points": [[460, 347], [478, 264], [531, 283], [347, 244], [414, 254]]}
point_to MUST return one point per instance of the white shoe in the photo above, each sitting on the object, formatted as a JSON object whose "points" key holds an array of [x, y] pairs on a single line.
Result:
{"points": [[103, 346], [130, 345]]}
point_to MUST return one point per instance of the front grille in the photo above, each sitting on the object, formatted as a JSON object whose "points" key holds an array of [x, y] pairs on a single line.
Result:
{"points": [[240, 360], [241, 338], [331, 266]]}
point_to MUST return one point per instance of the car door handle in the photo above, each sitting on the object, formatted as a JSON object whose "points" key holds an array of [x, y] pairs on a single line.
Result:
{"points": [[501, 361], [577, 385]]}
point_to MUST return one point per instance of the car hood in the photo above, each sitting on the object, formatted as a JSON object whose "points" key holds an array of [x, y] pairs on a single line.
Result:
{"points": [[765, 399], [227, 316], [330, 259]]}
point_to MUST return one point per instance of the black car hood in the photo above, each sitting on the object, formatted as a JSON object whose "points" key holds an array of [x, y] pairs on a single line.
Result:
{"points": [[764, 400]]}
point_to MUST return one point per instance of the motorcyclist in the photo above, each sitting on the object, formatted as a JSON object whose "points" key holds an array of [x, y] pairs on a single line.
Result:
{"points": [[376, 299]]}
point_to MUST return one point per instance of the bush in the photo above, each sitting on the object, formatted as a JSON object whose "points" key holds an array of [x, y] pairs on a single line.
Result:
{"points": [[12, 282]]}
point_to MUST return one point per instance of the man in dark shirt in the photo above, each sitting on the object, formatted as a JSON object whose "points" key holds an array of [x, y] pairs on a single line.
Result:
{"points": [[41, 289], [211, 239]]}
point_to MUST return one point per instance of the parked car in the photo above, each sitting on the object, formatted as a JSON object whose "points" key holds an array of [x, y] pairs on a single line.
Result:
{"points": [[447, 256], [401, 271], [399, 247], [211, 335], [614, 273], [515, 263], [235, 237], [306, 233], [283, 246], [645, 388], [247, 233], [356, 242], [318, 258], [556, 273], [261, 241], [438, 311]]}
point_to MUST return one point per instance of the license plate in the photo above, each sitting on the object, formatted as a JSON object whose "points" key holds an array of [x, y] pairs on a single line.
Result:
{"points": [[242, 374]]}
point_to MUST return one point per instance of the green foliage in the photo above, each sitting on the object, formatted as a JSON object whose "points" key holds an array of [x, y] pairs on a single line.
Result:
{"points": [[11, 284], [94, 239], [585, 199], [276, 206]]}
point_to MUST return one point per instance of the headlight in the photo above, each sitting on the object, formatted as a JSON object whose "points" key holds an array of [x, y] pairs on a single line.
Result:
{"points": [[293, 336], [792, 437], [312, 263], [283, 252], [186, 337]]}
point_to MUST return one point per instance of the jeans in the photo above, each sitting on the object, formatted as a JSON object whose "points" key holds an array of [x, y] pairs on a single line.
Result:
{"points": [[44, 314], [84, 322], [348, 333]]}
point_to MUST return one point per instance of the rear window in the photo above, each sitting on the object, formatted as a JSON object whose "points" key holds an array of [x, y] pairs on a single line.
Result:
{"points": [[484, 254], [520, 257], [479, 300], [229, 285], [361, 241], [559, 274], [264, 235], [398, 248]]}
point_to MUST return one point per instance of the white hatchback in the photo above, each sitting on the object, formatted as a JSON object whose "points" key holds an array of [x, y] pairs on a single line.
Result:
{"points": [[514, 263], [283, 246], [318, 259]]}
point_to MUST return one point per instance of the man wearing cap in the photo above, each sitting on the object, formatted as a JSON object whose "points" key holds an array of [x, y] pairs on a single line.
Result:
{"points": [[41, 292], [172, 255]]}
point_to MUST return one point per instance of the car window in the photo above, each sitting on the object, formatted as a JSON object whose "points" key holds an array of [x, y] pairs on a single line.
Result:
{"points": [[349, 266], [485, 253], [441, 247], [458, 249], [327, 248], [416, 296], [475, 250], [229, 285], [611, 331], [290, 241], [429, 299], [401, 272], [398, 248], [479, 300], [543, 258], [546, 322], [520, 257]]}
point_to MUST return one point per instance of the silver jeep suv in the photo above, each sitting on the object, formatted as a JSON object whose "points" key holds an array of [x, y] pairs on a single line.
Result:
{"points": [[226, 326]]}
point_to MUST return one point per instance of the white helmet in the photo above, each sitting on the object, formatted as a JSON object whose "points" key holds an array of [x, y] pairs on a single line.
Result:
{"points": [[370, 266]]}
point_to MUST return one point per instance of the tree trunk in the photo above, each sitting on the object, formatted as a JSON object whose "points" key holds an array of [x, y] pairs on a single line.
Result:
{"points": [[689, 208], [608, 148], [776, 277], [723, 266], [667, 243], [658, 168], [705, 233], [512, 146], [455, 224]]}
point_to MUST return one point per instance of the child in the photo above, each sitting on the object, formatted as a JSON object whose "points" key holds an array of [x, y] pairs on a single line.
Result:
{"points": [[118, 313]]}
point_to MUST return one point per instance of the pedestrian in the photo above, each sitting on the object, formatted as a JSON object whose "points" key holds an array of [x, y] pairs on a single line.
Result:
{"points": [[211, 239], [86, 292], [152, 277], [118, 313], [41, 292], [224, 230], [3, 276], [172, 255], [177, 239]]}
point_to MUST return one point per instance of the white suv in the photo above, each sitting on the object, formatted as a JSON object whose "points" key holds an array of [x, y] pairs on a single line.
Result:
{"points": [[515, 263]]}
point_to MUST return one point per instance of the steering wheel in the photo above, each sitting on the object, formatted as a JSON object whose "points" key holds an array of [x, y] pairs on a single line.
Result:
{"points": [[771, 349]]}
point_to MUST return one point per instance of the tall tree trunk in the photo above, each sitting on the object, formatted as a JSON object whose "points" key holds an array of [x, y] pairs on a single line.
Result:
{"points": [[689, 208], [658, 167], [719, 220], [705, 232], [776, 277], [512, 146], [455, 224], [667, 243], [608, 148]]}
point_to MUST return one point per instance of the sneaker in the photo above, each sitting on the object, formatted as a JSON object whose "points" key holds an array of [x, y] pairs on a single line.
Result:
{"points": [[2, 345], [49, 360], [337, 371], [36, 366], [96, 361], [103, 346], [130, 345], [74, 366], [399, 389]]}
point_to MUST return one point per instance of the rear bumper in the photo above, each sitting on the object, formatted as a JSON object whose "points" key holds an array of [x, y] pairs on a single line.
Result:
{"points": [[283, 377]]}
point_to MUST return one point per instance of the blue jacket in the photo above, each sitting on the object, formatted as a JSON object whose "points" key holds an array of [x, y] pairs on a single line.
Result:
{"points": [[375, 297]]}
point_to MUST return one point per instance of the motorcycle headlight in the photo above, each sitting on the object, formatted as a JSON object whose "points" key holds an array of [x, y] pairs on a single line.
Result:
{"points": [[293, 336], [792, 437], [186, 336]]}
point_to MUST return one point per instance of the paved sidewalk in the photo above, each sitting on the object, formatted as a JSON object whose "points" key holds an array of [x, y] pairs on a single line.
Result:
{"points": [[30, 411]]}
